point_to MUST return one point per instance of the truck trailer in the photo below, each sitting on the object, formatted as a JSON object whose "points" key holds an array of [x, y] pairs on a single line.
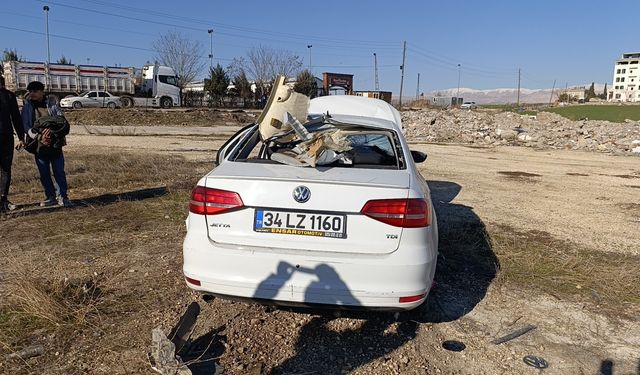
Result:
{"points": [[151, 86]]}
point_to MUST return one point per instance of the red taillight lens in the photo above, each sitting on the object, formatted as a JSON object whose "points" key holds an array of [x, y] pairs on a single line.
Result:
{"points": [[405, 213], [208, 201], [192, 281], [411, 298]]}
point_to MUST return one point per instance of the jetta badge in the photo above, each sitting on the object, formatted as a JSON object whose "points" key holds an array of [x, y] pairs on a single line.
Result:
{"points": [[301, 194]]}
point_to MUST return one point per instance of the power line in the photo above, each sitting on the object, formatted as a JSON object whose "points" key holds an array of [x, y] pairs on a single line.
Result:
{"points": [[232, 27], [452, 60], [354, 44], [99, 42]]}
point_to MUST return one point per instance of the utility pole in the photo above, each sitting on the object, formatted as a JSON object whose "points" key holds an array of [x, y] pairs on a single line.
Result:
{"points": [[458, 92], [375, 69], [404, 54], [46, 15], [418, 88], [518, 103], [210, 31], [309, 48], [553, 88]]}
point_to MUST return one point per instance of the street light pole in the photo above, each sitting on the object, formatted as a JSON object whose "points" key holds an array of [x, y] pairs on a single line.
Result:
{"points": [[46, 15], [458, 92], [375, 68], [210, 31], [309, 48]]}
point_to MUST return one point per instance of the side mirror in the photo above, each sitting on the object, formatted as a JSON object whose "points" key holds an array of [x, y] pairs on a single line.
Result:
{"points": [[418, 156]]}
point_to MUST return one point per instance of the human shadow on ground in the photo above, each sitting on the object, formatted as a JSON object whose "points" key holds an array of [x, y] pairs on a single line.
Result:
{"points": [[466, 262], [328, 344], [104, 199], [466, 267]]}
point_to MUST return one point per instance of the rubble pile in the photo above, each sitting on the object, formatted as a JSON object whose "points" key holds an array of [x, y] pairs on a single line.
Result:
{"points": [[543, 130]]}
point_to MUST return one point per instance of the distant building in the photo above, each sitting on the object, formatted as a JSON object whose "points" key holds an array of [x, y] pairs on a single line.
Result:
{"points": [[625, 79], [576, 93], [446, 101], [383, 95]]}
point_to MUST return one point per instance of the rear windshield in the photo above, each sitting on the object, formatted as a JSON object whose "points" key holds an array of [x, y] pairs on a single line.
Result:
{"points": [[347, 148]]}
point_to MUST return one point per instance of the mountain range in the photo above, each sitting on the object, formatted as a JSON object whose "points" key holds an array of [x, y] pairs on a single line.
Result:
{"points": [[509, 95]]}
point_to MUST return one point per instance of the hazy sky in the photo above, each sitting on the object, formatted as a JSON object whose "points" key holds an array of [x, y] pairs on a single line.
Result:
{"points": [[575, 42]]}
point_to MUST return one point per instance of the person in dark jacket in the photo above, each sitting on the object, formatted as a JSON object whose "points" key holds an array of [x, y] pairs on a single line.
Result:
{"points": [[36, 106], [9, 121]]}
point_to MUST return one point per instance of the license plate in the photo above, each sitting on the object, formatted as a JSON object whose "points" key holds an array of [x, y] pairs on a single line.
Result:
{"points": [[316, 224]]}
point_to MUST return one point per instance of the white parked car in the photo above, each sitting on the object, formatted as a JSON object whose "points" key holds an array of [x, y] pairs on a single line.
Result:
{"points": [[357, 232], [469, 105], [91, 99]]}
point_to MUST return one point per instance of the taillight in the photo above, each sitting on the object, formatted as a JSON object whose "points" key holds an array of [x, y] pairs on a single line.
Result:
{"points": [[208, 201], [412, 298], [405, 213], [192, 281]]}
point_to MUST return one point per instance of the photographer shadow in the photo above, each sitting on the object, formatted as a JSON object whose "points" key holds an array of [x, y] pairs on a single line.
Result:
{"points": [[327, 344], [466, 267]]}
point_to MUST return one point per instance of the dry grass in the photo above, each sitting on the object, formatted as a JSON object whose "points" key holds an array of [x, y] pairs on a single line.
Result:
{"points": [[101, 171], [92, 281], [563, 269]]}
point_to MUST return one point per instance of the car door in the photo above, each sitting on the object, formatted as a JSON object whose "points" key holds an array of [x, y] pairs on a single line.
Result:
{"points": [[91, 99], [103, 99], [235, 142]]}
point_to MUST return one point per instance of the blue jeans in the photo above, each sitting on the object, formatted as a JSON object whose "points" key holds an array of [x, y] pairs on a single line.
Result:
{"points": [[44, 167]]}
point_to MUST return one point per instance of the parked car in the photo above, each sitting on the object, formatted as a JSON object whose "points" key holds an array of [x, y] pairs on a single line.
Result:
{"points": [[357, 232], [91, 99], [469, 105]]}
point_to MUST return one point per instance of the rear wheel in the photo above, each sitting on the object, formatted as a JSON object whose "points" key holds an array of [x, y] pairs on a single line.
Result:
{"points": [[127, 102], [166, 102], [76, 105], [111, 105]]}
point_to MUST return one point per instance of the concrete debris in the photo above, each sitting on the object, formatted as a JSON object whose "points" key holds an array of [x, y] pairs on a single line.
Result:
{"points": [[163, 355], [545, 130], [164, 350]]}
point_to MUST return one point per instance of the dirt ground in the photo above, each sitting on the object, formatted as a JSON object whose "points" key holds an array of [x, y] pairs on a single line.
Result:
{"points": [[547, 238]]}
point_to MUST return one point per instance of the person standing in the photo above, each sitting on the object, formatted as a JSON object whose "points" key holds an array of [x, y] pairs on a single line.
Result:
{"points": [[35, 107], [9, 121]]}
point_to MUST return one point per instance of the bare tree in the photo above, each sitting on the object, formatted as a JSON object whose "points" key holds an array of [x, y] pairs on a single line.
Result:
{"points": [[263, 64], [174, 49], [9, 55], [64, 60]]}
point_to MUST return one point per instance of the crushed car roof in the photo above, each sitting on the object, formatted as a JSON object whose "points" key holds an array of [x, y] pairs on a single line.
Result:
{"points": [[357, 110]]}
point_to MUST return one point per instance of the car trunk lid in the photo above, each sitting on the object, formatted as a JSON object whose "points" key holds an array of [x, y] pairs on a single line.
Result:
{"points": [[329, 221]]}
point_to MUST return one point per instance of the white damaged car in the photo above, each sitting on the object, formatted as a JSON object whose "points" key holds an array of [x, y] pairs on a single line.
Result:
{"points": [[333, 214]]}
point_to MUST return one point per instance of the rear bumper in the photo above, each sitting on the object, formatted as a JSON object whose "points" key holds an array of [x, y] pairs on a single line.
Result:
{"points": [[310, 278]]}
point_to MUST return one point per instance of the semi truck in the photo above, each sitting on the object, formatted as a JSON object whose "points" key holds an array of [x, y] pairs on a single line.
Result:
{"points": [[152, 86]]}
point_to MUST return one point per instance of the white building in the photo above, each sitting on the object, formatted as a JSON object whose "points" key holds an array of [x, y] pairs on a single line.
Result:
{"points": [[625, 79]]}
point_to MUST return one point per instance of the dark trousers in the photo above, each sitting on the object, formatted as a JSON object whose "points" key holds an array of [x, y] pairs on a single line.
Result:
{"points": [[57, 165], [6, 158]]}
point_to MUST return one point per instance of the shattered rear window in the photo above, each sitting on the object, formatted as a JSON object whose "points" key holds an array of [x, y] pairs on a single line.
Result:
{"points": [[348, 148]]}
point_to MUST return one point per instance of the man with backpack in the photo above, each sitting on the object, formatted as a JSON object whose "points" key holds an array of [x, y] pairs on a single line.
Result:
{"points": [[9, 121], [46, 128]]}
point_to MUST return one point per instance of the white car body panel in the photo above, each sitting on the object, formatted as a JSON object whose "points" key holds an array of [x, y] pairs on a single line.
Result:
{"points": [[373, 267], [92, 102]]}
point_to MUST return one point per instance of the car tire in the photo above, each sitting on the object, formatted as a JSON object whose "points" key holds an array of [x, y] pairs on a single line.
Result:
{"points": [[76, 105], [166, 102], [126, 102], [111, 105]]}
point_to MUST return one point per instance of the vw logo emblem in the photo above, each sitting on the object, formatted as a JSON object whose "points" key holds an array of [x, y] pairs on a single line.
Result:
{"points": [[301, 194]]}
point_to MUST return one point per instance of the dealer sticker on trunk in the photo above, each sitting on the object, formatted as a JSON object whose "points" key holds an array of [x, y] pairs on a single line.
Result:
{"points": [[315, 224]]}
